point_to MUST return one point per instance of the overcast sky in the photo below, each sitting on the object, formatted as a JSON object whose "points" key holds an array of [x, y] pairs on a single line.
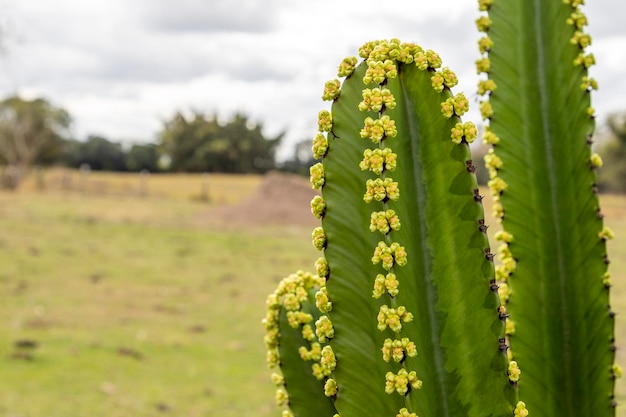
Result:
{"points": [[121, 67]]}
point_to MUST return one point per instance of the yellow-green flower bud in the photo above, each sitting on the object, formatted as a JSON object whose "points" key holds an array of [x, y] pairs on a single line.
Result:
{"points": [[509, 327], [437, 81], [486, 110], [320, 146], [497, 185], [317, 175], [606, 234], [577, 19], [449, 77], [406, 52], [586, 61], [520, 410], [461, 104], [366, 49], [388, 255], [324, 121], [591, 111], [421, 60], [318, 207], [596, 160], [384, 221], [514, 371], [483, 23], [328, 360], [390, 70], [486, 86], [501, 275], [393, 318], [375, 72], [321, 266], [504, 291], [503, 236], [379, 190], [277, 379], [324, 329], [386, 283], [331, 90], [616, 371], [272, 358], [589, 84], [447, 108], [271, 338], [319, 238], [405, 413], [322, 302], [379, 286], [400, 382], [377, 160], [347, 66], [493, 163], [490, 138], [281, 397], [484, 5], [485, 44], [433, 58], [398, 349], [297, 318], [378, 129], [483, 65], [581, 39], [291, 302], [470, 132], [307, 333], [330, 387], [317, 371]]}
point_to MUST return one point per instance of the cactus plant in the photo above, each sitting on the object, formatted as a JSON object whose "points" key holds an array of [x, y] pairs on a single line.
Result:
{"points": [[542, 168], [407, 314]]}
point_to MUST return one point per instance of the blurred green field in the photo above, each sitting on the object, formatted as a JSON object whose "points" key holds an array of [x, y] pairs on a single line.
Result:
{"points": [[137, 307]]}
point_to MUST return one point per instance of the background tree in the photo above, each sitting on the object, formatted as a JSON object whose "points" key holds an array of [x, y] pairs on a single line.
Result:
{"points": [[200, 143], [612, 177], [141, 157], [31, 132], [98, 152]]}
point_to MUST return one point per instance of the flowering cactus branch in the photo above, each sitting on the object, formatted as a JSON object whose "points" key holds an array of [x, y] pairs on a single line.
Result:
{"points": [[553, 259], [410, 312]]}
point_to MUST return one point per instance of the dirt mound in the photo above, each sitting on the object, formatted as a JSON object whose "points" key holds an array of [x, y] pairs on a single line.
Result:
{"points": [[280, 199]]}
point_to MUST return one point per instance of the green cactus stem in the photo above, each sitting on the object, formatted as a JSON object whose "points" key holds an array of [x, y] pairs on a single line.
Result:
{"points": [[552, 260], [415, 324], [293, 347]]}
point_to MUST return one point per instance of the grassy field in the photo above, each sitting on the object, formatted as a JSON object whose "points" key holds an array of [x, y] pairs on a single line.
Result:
{"points": [[136, 307]]}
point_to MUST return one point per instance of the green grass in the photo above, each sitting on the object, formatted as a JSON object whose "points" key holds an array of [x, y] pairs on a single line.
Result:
{"points": [[138, 308]]}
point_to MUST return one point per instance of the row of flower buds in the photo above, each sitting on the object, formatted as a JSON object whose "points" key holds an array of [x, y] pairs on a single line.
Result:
{"points": [[585, 60], [497, 186], [507, 263], [381, 161], [324, 360], [290, 295]]}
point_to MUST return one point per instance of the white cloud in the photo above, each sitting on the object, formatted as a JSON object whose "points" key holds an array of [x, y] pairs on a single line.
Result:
{"points": [[120, 67]]}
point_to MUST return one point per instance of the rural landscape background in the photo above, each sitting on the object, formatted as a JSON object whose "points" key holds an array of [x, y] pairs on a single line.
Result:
{"points": [[127, 294]]}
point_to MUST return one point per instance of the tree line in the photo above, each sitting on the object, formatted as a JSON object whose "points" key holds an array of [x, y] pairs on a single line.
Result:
{"points": [[36, 132]]}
